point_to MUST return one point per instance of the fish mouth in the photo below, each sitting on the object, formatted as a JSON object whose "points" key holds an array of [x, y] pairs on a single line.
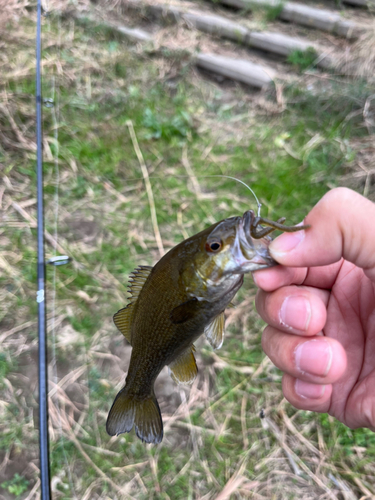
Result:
{"points": [[247, 220], [251, 254]]}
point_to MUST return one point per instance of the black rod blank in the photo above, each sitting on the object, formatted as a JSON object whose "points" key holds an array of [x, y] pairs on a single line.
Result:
{"points": [[43, 381]]}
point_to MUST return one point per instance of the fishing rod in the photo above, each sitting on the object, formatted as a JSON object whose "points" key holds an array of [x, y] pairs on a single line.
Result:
{"points": [[40, 297]]}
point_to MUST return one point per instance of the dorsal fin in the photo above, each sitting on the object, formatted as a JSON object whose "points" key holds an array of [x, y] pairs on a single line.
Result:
{"points": [[137, 279], [215, 331], [183, 369], [123, 317]]}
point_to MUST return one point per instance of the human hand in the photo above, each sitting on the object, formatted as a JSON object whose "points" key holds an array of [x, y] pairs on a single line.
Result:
{"points": [[320, 309]]}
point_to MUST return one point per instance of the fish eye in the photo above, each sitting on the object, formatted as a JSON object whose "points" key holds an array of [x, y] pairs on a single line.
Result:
{"points": [[214, 246]]}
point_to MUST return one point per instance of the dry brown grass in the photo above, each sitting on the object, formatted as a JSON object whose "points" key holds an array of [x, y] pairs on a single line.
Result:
{"points": [[11, 11], [219, 446], [358, 61]]}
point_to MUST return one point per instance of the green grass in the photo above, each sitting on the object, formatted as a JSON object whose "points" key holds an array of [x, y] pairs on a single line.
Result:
{"points": [[6, 365], [290, 159], [268, 12], [16, 486], [303, 59], [272, 12]]}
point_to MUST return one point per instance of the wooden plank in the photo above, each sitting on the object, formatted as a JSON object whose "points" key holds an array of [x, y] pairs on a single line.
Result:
{"points": [[304, 15], [237, 69]]}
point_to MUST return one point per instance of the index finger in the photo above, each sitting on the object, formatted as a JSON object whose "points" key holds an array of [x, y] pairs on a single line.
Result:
{"points": [[275, 277], [341, 227]]}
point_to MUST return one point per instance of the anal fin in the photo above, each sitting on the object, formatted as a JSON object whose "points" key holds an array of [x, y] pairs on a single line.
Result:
{"points": [[183, 369], [215, 331]]}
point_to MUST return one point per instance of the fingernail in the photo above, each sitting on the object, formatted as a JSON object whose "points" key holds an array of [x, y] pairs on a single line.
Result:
{"points": [[295, 312], [309, 391], [255, 279], [285, 243], [314, 357]]}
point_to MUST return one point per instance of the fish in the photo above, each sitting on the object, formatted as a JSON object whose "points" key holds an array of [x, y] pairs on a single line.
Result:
{"points": [[173, 303]]}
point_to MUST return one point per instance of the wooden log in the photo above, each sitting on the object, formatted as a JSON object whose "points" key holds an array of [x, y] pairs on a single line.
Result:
{"points": [[237, 69], [324, 20], [304, 15], [133, 34], [276, 43], [361, 3], [216, 25]]}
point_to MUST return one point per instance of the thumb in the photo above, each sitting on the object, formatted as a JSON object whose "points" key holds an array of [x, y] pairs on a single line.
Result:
{"points": [[342, 225]]}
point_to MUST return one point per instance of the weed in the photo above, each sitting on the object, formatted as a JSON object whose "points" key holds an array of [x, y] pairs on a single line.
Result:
{"points": [[274, 10], [16, 486], [303, 59], [6, 366], [269, 11], [166, 128]]}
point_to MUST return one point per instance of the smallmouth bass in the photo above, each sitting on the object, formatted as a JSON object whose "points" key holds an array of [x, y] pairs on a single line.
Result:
{"points": [[183, 296]]}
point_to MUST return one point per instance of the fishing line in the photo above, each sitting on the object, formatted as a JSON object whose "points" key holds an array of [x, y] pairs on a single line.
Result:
{"points": [[205, 177], [42, 339], [54, 104], [54, 261], [42, 345], [243, 183]]}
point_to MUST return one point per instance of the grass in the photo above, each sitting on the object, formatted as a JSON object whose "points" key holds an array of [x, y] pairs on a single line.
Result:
{"points": [[272, 12], [214, 441], [303, 59], [16, 486], [267, 12]]}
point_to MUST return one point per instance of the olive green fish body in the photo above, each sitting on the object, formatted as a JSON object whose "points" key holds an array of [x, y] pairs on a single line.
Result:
{"points": [[166, 320], [173, 319], [172, 304]]}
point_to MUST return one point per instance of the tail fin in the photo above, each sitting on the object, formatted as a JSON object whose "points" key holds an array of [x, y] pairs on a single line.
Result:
{"points": [[144, 415]]}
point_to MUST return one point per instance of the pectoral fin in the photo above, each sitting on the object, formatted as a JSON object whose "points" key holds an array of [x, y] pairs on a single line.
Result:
{"points": [[183, 369], [185, 311], [122, 320], [215, 331]]}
